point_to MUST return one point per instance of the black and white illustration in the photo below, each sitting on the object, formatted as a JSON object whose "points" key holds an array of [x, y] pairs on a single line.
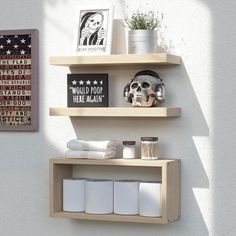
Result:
{"points": [[94, 31], [93, 28]]}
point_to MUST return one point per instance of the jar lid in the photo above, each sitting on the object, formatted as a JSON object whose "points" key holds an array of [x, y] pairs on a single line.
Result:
{"points": [[151, 139], [129, 142]]}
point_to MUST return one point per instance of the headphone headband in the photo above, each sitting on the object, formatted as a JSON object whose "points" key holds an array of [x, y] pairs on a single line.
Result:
{"points": [[147, 72]]}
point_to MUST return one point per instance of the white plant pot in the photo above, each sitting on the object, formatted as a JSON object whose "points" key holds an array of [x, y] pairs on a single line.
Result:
{"points": [[142, 41]]}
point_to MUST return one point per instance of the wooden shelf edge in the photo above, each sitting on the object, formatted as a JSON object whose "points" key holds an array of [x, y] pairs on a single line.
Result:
{"points": [[109, 217], [116, 59], [115, 112], [113, 162]]}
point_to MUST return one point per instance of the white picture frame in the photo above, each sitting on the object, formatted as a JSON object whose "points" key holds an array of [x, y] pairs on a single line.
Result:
{"points": [[94, 31]]}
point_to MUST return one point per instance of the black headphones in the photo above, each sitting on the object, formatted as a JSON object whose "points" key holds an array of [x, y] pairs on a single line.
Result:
{"points": [[146, 72], [142, 72]]}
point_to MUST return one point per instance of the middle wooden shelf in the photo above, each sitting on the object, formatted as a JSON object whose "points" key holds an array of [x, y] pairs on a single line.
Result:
{"points": [[115, 111], [112, 162]]}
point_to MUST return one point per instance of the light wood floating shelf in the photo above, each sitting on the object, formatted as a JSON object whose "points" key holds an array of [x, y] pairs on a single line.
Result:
{"points": [[116, 59], [116, 112], [61, 168], [112, 162]]}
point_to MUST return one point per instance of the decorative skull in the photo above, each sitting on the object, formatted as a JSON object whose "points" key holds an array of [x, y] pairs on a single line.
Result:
{"points": [[145, 90]]}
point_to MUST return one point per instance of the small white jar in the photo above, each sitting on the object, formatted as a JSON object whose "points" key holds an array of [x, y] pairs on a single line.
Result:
{"points": [[128, 149]]}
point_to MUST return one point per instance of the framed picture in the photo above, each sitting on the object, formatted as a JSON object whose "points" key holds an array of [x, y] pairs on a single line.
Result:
{"points": [[18, 80], [87, 90], [94, 31]]}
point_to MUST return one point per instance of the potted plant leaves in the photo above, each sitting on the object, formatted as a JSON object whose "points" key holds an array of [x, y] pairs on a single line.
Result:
{"points": [[142, 36]]}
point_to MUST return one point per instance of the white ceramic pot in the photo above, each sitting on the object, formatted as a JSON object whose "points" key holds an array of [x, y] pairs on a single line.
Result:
{"points": [[142, 41]]}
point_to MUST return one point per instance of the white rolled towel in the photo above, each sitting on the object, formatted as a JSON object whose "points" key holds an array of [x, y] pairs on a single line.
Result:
{"points": [[93, 145], [89, 154]]}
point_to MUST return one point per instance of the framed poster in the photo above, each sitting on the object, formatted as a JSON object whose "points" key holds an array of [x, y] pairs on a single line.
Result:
{"points": [[18, 80], [94, 31], [87, 90]]}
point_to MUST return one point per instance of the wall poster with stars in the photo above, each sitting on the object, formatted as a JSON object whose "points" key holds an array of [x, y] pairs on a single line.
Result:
{"points": [[87, 90], [18, 80]]}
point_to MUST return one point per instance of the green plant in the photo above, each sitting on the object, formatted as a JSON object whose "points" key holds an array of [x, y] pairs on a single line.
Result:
{"points": [[146, 21]]}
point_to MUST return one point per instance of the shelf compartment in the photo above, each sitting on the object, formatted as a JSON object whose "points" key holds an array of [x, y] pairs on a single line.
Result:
{"points": [[116, 59], [115, 111], [61, 168]]}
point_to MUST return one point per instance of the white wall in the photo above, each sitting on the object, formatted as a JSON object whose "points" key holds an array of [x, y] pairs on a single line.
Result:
{"points": [[203, 33]]}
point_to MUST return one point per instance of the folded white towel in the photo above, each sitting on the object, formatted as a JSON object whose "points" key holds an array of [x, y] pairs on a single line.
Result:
{"points": [[85, 145], [89, 154]]}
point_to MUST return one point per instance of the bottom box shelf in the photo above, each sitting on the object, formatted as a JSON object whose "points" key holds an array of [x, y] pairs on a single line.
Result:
{"points": [[109, 217], [61, 168]]}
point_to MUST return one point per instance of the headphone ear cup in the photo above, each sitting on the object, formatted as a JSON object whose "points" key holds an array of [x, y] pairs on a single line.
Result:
{"points": [[160, 92], [126, 94]]}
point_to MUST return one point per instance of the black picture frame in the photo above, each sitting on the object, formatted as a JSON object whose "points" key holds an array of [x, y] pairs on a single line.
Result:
{"points": [[87, 90]]}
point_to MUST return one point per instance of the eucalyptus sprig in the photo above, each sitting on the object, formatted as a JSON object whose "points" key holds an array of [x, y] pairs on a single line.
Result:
{"points": [[145, 21]]}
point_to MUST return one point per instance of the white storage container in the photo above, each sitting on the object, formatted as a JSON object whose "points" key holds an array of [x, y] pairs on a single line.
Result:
{"points": [[73, 195], [126, 195], [99, 196], [150, 199]]}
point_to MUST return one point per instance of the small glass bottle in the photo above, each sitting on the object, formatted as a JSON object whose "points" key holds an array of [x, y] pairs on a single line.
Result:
{"points": [[149, 148], [129, 149]]}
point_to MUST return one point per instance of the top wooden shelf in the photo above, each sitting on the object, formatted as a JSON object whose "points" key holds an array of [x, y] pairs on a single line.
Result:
{"points": [[116, 59]]}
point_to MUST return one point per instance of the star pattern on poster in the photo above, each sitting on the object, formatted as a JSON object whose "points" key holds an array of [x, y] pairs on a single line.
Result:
{"points": [[15, 45], [18, 80], [74, 82], [88, 82], [82, 82]]}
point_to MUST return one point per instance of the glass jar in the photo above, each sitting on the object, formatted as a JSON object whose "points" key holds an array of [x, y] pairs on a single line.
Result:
{"points": [[129, 149], [149, 148]]}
